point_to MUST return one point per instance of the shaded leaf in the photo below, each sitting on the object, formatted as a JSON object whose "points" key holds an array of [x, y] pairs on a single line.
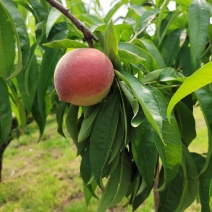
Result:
{"points": [[103, 134], [7, 43], [45, 77], [60, 117], [87, 124], [204, 180], [22, 35], [204, 97], [185, 118], [5, 112], [71, 122], [28, 95], [198, 25], [144, 151], [117, 184], [172, 45], [183, 190]]}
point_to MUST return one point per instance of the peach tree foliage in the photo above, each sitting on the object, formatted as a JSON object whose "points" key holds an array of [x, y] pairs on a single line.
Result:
{"points": [[135, 140]]}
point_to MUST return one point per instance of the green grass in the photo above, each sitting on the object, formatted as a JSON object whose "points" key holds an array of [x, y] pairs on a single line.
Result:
{"points": [[44, 176]]}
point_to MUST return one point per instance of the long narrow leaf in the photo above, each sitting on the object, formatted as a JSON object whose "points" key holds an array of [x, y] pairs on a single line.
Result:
{"points": [[154, 107], [5, 112], [7, 43], [198, 25], [103, 135], [200, 78]]}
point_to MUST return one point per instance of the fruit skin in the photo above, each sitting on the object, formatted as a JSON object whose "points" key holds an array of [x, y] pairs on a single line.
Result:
{"points": [[83, 77]]}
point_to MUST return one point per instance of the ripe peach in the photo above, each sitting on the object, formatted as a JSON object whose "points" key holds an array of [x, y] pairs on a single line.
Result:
{"points": [[83, 76]]}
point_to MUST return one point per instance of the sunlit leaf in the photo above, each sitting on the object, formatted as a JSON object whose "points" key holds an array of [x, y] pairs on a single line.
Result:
{"points": [[200, 78], [110, 42], [65, 43], [142, 56], [52, 18]]}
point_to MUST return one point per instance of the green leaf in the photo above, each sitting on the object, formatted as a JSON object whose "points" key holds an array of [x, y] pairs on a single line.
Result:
{"points": [[183, 190], [146, 59], [91, 20], [172, 45], [124, 180], [185, 59], [191, 181], [137, 117], [87, 124], [204, 97], [142, 194], [71, 122], [146, 16], [53, 16], [152, 76], [210, 195], [204, 180], [23, 43], [117, 184], [39, 118], [184, 2], [39, 11], [110, 189], [86, 174], [154, 107], [20, 110], [144, 151], [130, 57], [7, 43], [31, 83], [103, 134], [46, 75], [119, 139], [59, 116], [160, 18], [114, 9], [110, 42], [185, 118], [65, 43], [124, 32], [5, 113], [198, 25], [200, 78], [153, 50]]}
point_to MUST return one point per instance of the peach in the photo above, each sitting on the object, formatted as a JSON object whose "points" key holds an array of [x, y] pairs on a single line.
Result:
{"points": [[83, 77]]}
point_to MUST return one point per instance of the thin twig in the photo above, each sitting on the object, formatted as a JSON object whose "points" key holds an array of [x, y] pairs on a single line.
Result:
{"points": [[88, 35]]}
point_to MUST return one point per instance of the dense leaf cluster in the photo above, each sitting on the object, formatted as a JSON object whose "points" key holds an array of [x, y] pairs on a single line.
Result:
{"points": [[128, 144]]}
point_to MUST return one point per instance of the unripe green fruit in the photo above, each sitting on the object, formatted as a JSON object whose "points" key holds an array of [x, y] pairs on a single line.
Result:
{"points": [[83, 76]]}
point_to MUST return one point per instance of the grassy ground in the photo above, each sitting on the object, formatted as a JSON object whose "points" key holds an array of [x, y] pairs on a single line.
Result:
{"points": [[42, 177]]}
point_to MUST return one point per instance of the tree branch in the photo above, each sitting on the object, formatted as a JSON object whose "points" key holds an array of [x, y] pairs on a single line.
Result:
{"points": [[88, 35]]}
